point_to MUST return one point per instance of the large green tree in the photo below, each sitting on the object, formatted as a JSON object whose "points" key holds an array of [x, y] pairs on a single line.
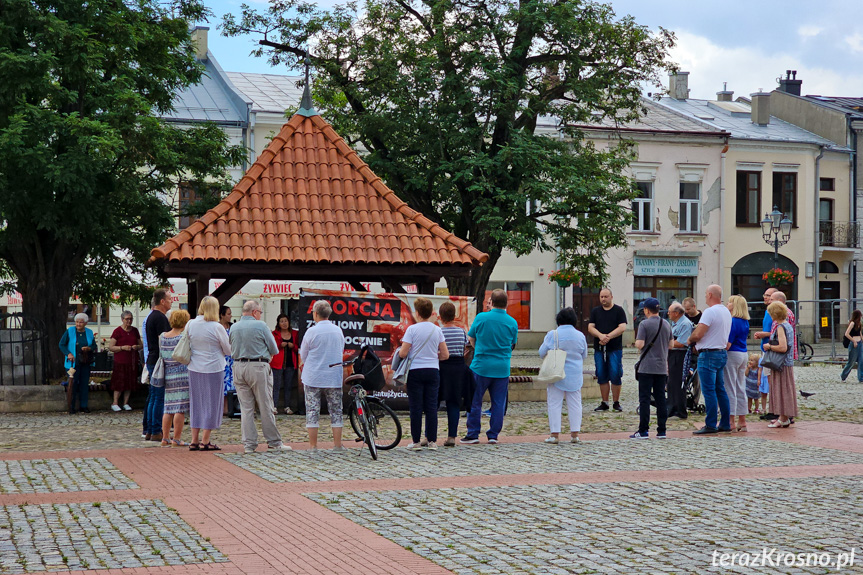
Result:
{"points": [[447, 96], [87, 168]]}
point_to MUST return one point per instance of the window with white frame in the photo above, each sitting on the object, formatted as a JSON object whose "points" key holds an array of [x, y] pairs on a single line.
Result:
{"points": [[690, 207], [642, 208]]}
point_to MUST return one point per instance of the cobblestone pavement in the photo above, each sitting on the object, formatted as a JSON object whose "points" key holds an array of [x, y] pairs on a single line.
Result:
{"points": [[648, 527], [53, 537], [833, 401], [60, 475], [518, 458]]}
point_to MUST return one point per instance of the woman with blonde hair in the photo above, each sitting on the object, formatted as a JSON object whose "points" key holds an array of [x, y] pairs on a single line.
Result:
{"points": [[209, 344], [176, 381], [783, 393], [735, 367]]}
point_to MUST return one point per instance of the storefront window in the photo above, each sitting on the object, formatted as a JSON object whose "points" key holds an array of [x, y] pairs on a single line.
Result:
{"points": [[518, 300], [665, 289]]}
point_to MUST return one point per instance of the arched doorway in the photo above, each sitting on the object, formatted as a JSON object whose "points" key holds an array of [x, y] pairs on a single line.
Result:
{"points": [[746, 280]]}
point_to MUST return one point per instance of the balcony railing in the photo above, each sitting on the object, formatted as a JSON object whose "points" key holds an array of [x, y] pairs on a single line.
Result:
{"points": [[839, 234]]}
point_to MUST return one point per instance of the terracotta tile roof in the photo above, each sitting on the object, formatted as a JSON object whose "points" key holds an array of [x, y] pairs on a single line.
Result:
{"points": [[309, 198]]}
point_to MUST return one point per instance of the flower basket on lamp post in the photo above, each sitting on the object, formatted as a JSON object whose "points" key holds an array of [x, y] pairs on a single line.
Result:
{"points": [[777, 277], [564, 278]]}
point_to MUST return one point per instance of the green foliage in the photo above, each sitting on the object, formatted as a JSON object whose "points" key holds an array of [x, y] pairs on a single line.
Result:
{"points": [[468, 110], [87, 169]]}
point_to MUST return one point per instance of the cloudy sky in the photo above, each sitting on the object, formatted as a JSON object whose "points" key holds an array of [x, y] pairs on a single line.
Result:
{"points": [[748, 44]]}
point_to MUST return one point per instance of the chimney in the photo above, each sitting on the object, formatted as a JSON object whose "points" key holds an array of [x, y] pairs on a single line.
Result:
{"points": [[678, 85], [790, 84], [725, 95], [199, 38], [760, 108]]}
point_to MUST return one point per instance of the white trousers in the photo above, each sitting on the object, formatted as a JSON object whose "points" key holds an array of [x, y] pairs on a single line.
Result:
{"points": [[555, 407], [735, 382]]}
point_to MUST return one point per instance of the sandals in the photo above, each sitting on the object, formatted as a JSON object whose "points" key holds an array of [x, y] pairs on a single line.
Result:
{"points": [[194, 447], [210, 447], [742, 429], [778, 423], [165, 443], [178, 443]]}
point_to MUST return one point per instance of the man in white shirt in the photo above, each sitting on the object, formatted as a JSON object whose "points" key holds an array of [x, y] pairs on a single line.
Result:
{"points": [[710, 338], [322, 346]]}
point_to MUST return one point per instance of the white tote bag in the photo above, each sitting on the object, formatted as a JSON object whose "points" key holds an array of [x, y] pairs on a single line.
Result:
{"points": [[183, 351], [553, 364]]}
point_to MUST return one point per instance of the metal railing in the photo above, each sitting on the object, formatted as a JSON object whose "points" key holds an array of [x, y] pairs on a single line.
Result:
{"points": [[23, 357], [839, 234]]}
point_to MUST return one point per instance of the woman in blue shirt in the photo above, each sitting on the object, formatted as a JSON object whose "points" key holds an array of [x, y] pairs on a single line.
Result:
{"points": [[735, 367], [572, 341], [78, 345]]}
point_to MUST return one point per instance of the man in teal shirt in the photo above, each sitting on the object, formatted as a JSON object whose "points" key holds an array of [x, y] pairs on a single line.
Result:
{"points": [[493, 335]]}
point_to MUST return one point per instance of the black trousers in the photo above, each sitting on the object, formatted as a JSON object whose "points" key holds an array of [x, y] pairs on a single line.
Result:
{"points": [[649, 383], [676, 393]]}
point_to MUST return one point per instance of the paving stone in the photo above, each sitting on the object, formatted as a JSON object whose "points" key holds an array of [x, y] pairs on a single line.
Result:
{"points": [[61, 475], [123, 537], [505, 459], [673, 527]]}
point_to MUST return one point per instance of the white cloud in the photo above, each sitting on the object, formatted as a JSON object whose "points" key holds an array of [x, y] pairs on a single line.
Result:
{"points": [[809, 31], [855, 42], [748, 69]]}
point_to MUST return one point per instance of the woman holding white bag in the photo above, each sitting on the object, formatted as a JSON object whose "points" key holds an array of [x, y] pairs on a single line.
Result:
{"points": [[567, 338]]}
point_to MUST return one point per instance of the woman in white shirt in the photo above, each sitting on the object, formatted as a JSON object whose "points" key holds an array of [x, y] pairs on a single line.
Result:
{"points": [[209, 343], [424, 343], [572, 341]]}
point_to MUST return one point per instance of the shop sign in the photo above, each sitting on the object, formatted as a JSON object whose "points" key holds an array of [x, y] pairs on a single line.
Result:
{"points": [[664, 266]]}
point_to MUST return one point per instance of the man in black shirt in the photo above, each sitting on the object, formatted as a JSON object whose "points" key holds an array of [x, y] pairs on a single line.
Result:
{"points": [[607, 324], [157, 324], [691, 311]]}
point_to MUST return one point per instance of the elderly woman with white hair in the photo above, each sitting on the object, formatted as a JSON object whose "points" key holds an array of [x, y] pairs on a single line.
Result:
{"points": [[77, 344]]}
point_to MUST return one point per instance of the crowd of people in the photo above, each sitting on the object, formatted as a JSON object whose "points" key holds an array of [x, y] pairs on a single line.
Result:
{"points": [[446, 364]]}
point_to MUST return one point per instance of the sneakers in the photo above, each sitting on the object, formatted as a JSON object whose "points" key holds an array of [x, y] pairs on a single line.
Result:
{"points": [[551, 440], [450, 442], [282, 447], [492, 441], [486, 413], [424, 442], [575, 440], [432, 446], [288, 411], [469, 440], [661, 435], [639, 435], [116, 407], [339, 448], [415, 446], [127, 407], [602, 407], [248, 450], [616, 406], [705, 431]]}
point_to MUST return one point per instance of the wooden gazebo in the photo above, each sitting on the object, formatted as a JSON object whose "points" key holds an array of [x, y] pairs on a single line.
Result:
{"points": [[310, 209]]}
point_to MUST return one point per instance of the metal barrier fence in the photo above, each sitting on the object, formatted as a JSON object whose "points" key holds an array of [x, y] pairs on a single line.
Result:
{"points": [[821, 323], [23, 357]]}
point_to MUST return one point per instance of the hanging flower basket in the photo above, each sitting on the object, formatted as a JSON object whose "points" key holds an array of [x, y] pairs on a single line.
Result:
{"points": [[564, 277], [776, 277]]}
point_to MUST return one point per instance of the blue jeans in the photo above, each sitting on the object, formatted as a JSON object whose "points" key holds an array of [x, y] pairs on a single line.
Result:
{"points": [[422, 391], [497, 388], [711, 365], [81, 386], [155, 409], [855, 354], [609, 366]]}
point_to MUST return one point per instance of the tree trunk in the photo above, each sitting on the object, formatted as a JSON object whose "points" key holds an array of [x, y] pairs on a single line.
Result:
{"points": [[475, 284]]}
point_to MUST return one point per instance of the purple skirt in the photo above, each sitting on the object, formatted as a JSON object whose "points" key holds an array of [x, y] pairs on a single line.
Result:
{"points": [[206, 399]]}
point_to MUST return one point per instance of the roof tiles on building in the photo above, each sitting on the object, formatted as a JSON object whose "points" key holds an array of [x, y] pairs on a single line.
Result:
{"points": [[658, 119], [268, 92], [309, 198]]}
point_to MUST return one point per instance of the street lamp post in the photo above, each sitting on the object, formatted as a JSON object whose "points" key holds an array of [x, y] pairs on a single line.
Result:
{"points": [[776, 231]]}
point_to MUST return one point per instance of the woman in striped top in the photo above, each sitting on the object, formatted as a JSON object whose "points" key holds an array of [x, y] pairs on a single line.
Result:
{"points": [[453, 371]]}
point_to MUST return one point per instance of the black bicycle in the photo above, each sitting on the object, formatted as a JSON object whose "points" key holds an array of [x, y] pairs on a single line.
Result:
{"points": [[374, 422]]}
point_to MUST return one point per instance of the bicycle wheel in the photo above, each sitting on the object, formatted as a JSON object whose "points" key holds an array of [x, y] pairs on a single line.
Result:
{"points": [[367, 434], [805, 351], [385, 424]]}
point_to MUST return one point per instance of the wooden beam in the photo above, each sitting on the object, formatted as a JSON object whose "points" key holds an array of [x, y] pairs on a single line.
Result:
{"points": [[357, 285], [392, 285], [229, 288], [199, 286]]}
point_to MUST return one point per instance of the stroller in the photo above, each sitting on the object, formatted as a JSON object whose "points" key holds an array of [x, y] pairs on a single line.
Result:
{"points": [[691, 384]]}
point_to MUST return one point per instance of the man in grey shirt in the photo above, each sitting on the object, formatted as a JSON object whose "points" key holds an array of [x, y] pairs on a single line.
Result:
{"points": [[681, 329], [252, 347], [652, 339]]}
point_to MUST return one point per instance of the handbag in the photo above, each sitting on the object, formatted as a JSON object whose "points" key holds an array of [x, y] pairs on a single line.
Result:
{"points": [[647, 349], [157, 379], [468, 351], [183, 351], [552, 369], [401, 366], [773, 360]]}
